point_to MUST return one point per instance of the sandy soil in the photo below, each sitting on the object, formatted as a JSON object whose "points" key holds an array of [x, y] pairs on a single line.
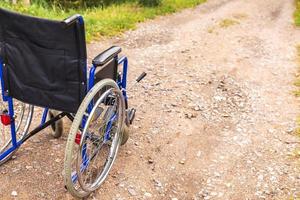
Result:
{"points": [[215, 116]]}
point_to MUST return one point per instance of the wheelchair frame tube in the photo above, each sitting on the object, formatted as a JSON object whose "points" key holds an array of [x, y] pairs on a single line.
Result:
{"points": [[9, 100], [12, 125], [91, 77], [10, 107], [2, 80], [45, 113], [123, 60]]}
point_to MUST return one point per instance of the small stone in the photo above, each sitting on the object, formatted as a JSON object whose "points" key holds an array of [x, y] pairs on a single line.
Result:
{"points": [[214, 194], [122, 185], [290, 130], [198, 153], [196, 108], [228, 185], [14, 193], [42, 194], [36, 140], [57, 160], [174, 198], [150, 161], [148, 195], [28, 167], [132, 192], [217, 174], [15, 170], [182, 162], [190, 115], [157, 183]]}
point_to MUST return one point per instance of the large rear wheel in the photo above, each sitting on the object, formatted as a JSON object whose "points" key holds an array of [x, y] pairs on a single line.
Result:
{"points": [[94, 139]]}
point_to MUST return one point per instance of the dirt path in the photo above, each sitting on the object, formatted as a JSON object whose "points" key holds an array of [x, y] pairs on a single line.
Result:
{"points": [[215, 114]]}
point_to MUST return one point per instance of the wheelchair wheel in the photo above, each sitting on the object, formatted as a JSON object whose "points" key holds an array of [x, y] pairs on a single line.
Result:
{"points": [[94, 139], [57, 127], [23, 116]]}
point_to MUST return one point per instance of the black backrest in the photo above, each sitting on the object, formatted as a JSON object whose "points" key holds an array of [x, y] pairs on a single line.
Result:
{"points": [[45, 61]]}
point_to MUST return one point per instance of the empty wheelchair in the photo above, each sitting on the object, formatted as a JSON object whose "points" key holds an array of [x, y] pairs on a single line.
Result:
{"points": [[44, 63]]}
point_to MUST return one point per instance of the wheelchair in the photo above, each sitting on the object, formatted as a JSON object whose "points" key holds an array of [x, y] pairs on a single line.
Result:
{"points": [[43, 63]]}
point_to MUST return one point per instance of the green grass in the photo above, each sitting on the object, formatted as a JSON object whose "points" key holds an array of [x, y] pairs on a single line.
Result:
{"points": [[297, 81], [297, 92], [225, 23], [297, 13], [109, 21]]}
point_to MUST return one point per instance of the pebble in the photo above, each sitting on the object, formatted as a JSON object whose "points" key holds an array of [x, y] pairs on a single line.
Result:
{"points": [[132, 192], [182, 162], [14, 193], [198, 153], [214, 194], [28, 167], [148, 195], [157, 183], [190, 115]]}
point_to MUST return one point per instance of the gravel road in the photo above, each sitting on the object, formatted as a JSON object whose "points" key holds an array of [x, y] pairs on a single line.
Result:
{"points": [[215, 117]]}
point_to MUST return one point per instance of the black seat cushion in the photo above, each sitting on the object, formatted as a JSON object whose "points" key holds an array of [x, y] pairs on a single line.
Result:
{"points": [[45, 61]]}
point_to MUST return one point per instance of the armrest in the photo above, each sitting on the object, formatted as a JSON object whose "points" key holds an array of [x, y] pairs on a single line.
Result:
{"points": [[106, 56]]}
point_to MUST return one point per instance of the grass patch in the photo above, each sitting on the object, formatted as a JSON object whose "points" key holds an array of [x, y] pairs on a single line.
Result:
{"points": [[297, 131], [297, 13], [111, 20], [225, 23], [297, 81], [240, 16], [297, 92]]}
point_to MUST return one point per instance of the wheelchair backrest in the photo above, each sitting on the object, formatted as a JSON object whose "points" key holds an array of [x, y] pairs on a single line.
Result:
{"points": [[44, 61]]}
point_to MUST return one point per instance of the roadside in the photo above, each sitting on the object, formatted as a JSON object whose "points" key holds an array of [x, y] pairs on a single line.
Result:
{"points": [[110, 21]]}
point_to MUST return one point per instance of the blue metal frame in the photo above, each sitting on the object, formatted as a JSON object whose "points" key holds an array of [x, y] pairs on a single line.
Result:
{"points": [[15, 144], [121, 81], [9, 100]]}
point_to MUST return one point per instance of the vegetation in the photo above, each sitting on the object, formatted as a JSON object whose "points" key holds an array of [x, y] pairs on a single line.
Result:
{"points": [[111, 20], [297, 13], [150, 3], [297, 92], [228, 22]]}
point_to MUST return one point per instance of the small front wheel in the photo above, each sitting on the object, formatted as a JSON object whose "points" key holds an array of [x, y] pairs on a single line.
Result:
{"points": [[57, 127], [125, 134]]}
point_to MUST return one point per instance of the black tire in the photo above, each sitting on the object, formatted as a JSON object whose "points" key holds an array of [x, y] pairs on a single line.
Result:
{"points": [[125, 135]]}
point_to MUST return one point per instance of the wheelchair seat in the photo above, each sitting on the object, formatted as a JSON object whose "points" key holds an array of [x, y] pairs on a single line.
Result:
{"points": [[44, 61]]}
